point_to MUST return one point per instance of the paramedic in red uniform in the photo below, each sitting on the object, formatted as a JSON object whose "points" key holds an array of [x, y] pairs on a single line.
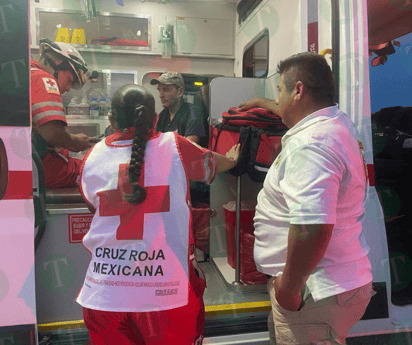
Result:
{"points": [[60, 68], [141, 285], [310, 212]]}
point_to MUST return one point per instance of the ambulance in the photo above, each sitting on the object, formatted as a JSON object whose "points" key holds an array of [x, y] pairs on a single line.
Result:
{"points": [[227, 52]]}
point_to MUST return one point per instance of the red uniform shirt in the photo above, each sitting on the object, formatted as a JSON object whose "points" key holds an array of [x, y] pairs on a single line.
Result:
{"points": [[60, 169], [46, 100]]}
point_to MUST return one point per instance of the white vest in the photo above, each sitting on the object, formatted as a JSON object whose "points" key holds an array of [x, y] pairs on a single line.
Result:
{"points": [[137, 271]]}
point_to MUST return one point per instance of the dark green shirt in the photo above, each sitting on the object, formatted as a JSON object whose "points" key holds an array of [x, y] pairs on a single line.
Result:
{"points": [[189, 120]]}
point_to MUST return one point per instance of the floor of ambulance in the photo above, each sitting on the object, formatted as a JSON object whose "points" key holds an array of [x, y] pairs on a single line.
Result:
{"points": [[227, 313]]}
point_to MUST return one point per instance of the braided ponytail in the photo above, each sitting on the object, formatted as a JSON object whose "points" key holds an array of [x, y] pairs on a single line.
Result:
{"points": [[134, 106], [137, 157]]}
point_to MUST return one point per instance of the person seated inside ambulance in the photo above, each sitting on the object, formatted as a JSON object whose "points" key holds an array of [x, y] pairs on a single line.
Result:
{"points": [[60, 68], [179, 116], [94, 76]]}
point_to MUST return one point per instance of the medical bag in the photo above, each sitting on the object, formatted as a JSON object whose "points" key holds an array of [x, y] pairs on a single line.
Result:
{"points": [[259, 131]]}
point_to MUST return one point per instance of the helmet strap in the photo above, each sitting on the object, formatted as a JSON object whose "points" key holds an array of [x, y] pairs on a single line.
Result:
{"points": [[64, 66], [50, 61]]}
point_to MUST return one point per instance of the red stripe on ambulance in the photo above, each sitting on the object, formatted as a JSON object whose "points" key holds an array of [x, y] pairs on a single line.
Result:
{"points": [[19, 186]]}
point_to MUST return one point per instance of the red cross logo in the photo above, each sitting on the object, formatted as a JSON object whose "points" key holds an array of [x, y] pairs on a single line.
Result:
{"points": [[132, 216], [51, 82]]}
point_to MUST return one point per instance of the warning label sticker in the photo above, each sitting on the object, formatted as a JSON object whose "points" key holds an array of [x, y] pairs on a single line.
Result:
{"points": [[79, 225]]}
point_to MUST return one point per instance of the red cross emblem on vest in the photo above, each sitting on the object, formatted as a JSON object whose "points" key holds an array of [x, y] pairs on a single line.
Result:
{"points": [[132, 216], [51, 82]]}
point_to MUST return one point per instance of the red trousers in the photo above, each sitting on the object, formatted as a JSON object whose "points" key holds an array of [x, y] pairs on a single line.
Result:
{"points": [[179, 326], [60, 169]]}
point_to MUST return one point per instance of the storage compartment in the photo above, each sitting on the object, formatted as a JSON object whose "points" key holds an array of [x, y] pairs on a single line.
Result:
{"points": [[106, 32], [204, 36]]}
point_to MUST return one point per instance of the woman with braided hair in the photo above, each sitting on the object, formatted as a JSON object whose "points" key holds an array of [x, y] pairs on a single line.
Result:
{"points": [[141, 286]]}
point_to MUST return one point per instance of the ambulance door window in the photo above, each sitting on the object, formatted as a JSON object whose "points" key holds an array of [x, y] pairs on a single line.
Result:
{"points": [[256, 57], [245, 7]]}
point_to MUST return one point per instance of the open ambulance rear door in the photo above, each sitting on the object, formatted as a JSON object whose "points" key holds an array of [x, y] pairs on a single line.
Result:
{"points": [[17, 297]]}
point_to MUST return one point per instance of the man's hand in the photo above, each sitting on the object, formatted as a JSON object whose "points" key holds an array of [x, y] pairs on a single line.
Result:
{"points": [[56, 134], [261, 102], [83, 142], [234, 152], [251, 103], [307, 243], [287, 298]]}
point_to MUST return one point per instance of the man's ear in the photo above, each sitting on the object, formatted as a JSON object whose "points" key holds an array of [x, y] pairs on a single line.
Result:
{"points": [[181, 91], [299, 90]]}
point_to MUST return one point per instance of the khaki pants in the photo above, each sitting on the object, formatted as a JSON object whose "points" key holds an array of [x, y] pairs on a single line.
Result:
{"points": [[324, 322]]}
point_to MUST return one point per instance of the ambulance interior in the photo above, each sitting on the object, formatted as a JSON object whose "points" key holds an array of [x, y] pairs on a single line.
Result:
{"points": [[236, 299]]}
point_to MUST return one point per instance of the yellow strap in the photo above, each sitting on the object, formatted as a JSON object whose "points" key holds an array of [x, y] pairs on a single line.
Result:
{"points": [[211, 310], [326, 51]]}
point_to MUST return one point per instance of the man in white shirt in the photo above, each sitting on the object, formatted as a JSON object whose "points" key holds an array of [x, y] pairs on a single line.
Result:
{"points": [[309, 216]]}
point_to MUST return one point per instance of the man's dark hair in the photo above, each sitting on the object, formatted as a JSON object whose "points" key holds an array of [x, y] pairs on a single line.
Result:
{"points": [[313, 71], [94, 75]]}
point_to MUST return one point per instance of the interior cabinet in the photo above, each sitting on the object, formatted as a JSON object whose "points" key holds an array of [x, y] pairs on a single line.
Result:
{"points": [[108, 31], [204, 36]]}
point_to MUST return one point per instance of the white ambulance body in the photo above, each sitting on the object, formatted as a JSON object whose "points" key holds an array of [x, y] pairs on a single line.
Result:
{"points": [[17, 284]]}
